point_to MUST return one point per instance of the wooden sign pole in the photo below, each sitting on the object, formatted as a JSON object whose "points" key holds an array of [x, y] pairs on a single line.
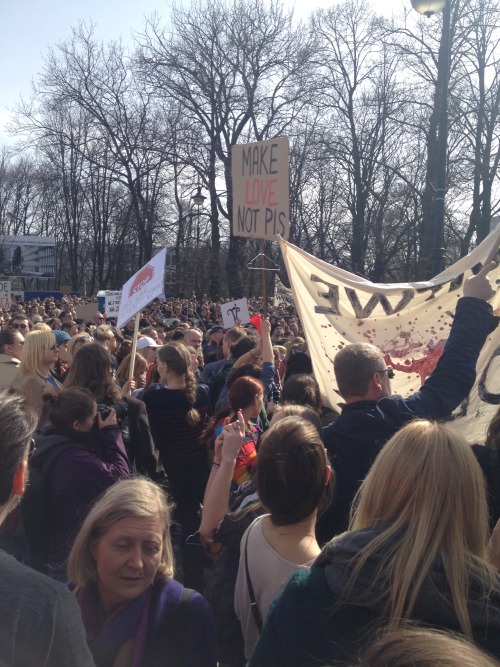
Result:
{"points": [[264, 286]]}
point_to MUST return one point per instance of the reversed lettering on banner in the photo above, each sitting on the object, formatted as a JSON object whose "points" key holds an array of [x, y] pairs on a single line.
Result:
{"points": [[408, 322]]}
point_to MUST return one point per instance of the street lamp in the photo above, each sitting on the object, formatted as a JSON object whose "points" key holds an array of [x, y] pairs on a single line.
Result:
{"points": [[428, 8], [198, 200]]}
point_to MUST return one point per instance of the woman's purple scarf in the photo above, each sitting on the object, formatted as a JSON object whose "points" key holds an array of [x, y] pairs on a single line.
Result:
{"points": [[148, 617]]}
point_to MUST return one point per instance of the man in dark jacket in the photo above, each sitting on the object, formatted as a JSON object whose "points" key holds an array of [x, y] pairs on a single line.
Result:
{"points": [[40, 621], [372, 414]]}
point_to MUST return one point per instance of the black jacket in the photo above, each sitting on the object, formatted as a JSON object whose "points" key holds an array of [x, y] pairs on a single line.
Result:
{"points": [[356, 437]]}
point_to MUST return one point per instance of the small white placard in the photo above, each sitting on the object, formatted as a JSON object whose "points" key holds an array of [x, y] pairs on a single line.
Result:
{"points": [[234, 311], [112, 303]]}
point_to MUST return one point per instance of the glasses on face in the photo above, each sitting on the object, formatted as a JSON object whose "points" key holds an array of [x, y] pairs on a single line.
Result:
{"points": [[20, 326], [389, 370], [53, 347]]}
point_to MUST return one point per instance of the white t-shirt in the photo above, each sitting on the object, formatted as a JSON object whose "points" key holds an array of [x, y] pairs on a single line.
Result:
{"points": [[269, 574]]}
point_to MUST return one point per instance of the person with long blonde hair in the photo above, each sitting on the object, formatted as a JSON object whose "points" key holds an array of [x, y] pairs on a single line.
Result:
{"points": [[415, 551], [34, 379]]}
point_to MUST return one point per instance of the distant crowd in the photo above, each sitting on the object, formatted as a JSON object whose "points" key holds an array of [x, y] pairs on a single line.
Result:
{"points": [[196, 504]]}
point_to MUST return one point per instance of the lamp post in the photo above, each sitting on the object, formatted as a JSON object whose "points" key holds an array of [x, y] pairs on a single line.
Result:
{"points": [[428, 8], [198, 200]]}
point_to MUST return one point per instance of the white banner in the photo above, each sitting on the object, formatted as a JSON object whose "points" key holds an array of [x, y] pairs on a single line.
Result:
{"points": [[282, 294], [142, 288], [5, 294], [234, 311], [112, 301], [408, 322]]}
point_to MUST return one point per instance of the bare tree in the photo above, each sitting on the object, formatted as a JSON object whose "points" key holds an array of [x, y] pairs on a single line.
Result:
{"points": [[239, 72]]}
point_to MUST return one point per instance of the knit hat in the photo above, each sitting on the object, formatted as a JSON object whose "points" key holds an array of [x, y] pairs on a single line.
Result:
{"points": [[61, 336]]}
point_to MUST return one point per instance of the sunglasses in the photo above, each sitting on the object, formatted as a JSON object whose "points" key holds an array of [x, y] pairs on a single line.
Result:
{"points": [[389, 370], [19, 326], [53, 347]]}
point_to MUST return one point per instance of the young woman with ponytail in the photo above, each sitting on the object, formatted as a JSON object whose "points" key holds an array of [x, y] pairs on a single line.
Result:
{"points": [[178, 412]]}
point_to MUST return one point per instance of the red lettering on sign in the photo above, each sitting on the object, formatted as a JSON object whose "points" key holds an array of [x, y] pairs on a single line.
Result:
{"points": [[261, 192], [143, 277]]}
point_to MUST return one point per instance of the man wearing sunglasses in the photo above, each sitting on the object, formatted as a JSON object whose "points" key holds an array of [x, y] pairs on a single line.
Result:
{"points": [[22, 324], [372, 414]]}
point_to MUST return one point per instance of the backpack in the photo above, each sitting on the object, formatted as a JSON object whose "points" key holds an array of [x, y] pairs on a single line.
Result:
{"points": [[35, 506], [217, 382]]}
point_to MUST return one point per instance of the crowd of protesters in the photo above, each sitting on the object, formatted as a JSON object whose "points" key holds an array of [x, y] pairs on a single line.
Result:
{"points": [[197, 505]]}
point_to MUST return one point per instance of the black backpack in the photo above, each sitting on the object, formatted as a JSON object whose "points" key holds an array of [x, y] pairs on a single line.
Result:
{"points": [[217, 382], [35, 506]]}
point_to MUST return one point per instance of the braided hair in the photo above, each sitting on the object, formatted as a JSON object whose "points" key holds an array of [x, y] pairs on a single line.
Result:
{"points": [[177, 357]]}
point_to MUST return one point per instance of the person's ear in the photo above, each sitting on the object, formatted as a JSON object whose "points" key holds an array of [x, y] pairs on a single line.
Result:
{"points": [[19, 482], [377, 382], [75, 425]]}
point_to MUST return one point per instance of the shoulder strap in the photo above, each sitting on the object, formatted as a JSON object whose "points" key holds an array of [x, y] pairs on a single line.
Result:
{"points": [[251, 593]]}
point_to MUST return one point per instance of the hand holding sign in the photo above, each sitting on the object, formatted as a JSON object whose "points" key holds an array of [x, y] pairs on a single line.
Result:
{"points": [[235, 313], [479, 286]]}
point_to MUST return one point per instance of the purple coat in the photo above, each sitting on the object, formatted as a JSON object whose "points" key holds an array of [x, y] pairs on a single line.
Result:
{"points": [[77, 478]]}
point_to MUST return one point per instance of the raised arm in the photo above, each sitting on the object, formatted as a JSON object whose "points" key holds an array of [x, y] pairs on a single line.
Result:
{"points": [[216, 500], [267, 346]]}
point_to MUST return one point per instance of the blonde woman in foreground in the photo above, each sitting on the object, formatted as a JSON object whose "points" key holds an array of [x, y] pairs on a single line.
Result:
{"points": [[415, 551]]}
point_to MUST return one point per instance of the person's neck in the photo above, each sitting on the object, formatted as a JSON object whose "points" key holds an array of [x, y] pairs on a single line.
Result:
{"points": [[296, 542], [247, 414], [44, 371], [175, 381]]}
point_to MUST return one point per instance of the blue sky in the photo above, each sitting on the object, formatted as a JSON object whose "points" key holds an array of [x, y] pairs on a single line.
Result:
{"points": [[29, 27]]}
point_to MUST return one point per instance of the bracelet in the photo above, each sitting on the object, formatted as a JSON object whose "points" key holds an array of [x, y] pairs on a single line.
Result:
{"points": [[215, 465]]}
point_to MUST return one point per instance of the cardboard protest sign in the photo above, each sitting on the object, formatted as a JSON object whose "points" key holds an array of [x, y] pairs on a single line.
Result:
{"points": [[5, 295], [112, 303], [142, 288], [234, 311], [86, 311], [260, 189]]}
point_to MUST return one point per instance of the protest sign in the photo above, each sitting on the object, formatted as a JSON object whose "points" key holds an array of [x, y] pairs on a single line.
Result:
{"points": [[112, 303], [260, 189], [282, 294], [234, 311], [86, 311], [408, 322], [144, 286], [5, 295]]}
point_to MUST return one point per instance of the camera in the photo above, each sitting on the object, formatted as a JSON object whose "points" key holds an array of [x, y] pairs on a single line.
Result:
{"points": [[121, 409]]}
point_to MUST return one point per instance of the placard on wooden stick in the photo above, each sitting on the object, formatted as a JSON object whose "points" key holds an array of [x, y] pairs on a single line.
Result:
{"points": [[260, 189]]}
